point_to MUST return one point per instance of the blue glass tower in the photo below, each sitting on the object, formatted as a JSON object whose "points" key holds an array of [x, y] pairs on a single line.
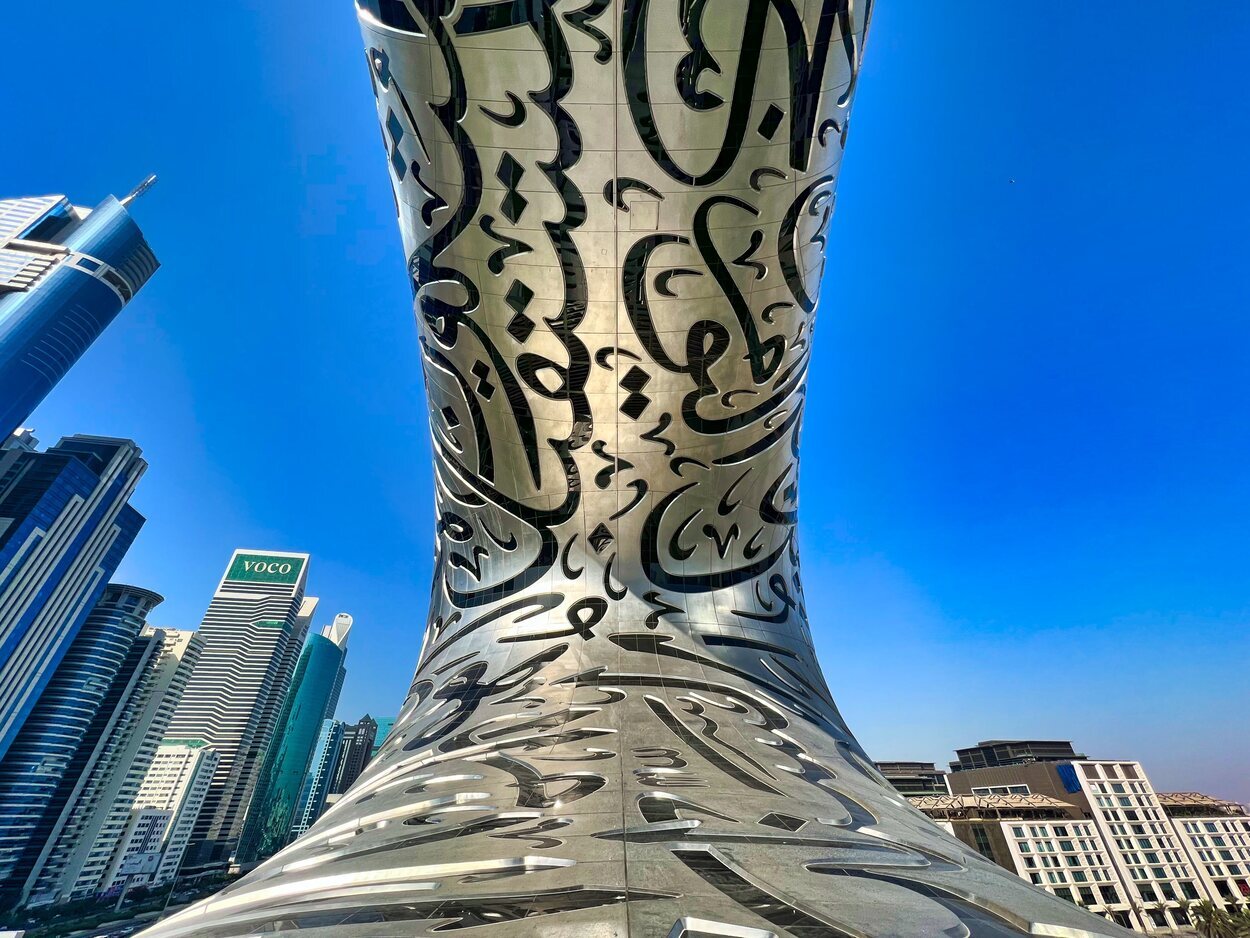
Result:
{"points": [[57, 742], [313, 697], [65, 524], [65, 274]]}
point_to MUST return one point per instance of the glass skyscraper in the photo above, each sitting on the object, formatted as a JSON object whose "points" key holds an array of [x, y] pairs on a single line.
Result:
{"points": [[321, 768], [58, 745], [358, 740], [385, 725], [65, 273], [313, 696], [65, 524], [95, 819]]}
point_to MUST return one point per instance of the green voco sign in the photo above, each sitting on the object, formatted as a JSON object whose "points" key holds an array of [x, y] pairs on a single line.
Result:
{"points": [[265, 568]]}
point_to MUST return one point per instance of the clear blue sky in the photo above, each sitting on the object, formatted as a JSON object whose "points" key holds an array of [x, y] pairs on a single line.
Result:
{"points": [[1026, 499]]}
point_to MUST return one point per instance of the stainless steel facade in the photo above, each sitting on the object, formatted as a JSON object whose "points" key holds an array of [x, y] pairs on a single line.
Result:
{"points": [[615, 217]]}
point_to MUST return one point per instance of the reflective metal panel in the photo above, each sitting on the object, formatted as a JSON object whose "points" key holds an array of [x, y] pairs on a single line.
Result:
{"points": [[615, 216]]}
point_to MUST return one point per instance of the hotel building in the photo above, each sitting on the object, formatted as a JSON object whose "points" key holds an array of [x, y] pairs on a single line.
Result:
{"points": [[253, 632]]}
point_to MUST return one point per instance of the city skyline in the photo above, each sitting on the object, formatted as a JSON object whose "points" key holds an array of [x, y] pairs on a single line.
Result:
{"points": [[958, 511]]}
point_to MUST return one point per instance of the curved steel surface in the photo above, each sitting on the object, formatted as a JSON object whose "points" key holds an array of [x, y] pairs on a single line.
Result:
{"points": [[615, 216]]}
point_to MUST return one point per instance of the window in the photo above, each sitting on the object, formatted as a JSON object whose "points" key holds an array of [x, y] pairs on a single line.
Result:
{"points": [[1109, 895], [982, 842], [1147, 892], [1087, 896], [1158, 918], [1189, 892], [1001, 790], [1065, 893]]}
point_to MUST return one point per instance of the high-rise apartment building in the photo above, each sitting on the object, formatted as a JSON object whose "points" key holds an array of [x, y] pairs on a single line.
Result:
{"points": [[65, 524], [358, 739], [253, 632], [177, 782], [50, 762], [97, 819], [312, 698], [319, 777], [139, 849], [65, 273]]}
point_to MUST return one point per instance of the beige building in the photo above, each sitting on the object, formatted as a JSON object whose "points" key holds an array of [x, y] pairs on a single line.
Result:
{"points": [[177, 783], [1096, 832], [1216, 835], [1042, 839]]}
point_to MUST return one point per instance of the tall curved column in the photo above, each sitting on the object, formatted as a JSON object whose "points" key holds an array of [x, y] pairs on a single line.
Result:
{"points": [[615, 216]]}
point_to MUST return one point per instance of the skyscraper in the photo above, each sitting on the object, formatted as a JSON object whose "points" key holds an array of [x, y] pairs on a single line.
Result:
{"points": [[312, 698], [358, 740], [77, 858], [64, 526], [53, 755], [65, 273], [385, 725], [177, 781], [318, 778], [253, 631]]}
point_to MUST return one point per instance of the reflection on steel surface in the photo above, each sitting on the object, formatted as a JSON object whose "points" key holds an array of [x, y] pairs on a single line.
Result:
{"points": [[615, 216]]}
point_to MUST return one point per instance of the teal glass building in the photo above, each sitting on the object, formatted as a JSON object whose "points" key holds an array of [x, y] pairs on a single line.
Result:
{"points": [[325, 760], [312, 699]]}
